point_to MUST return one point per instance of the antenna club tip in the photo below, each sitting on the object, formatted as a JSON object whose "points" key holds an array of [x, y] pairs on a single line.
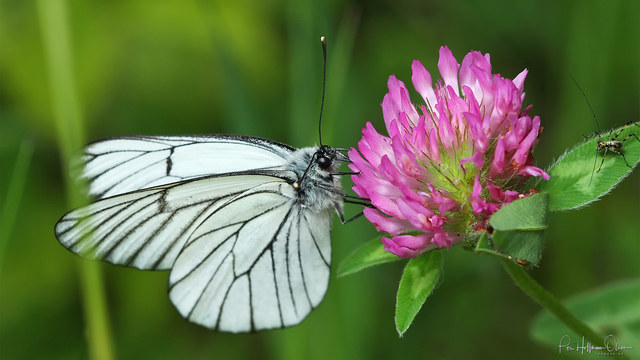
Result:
{"points": [[323, 40]]}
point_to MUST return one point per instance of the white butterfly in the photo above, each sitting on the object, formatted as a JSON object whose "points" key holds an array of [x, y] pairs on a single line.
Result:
{"points": [[243, 223]]}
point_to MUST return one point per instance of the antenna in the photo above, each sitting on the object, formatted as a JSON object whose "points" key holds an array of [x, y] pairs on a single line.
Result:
{"points": [[588, 104], [597, 132], [324, 79]]}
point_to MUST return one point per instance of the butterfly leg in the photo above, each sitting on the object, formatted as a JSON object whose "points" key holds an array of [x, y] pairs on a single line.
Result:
{"points": [[345, 173], [356, 216]]}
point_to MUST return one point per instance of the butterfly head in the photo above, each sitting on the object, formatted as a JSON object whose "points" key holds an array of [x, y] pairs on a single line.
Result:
{"points": [[325, 157], [312, 162]]}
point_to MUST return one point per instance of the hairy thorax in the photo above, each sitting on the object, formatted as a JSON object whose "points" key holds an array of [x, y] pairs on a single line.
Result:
{"points": [[319, 188]]}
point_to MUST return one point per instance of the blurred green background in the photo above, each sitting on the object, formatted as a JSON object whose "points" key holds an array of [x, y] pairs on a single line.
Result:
{"points": [[254, 68]]}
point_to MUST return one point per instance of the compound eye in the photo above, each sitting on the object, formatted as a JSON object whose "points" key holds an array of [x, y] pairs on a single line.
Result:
{"points": [[323, 162]]}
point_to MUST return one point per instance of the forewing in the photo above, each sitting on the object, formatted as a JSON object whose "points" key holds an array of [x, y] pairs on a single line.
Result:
{"points": [[123, 164], [147, 229], [259, 262]]}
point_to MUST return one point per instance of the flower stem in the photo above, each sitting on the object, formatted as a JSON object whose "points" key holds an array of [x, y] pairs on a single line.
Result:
{"points": [[15, 189], [68, 121], [550, 302]]}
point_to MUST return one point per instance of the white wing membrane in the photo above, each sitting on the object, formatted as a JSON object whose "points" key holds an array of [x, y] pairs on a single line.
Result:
{"points": [[119, 165], [256, 263], [147, 229]]}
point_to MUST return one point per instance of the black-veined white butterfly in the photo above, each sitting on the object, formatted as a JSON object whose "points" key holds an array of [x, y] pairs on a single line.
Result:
{"points": [[243, 223]]}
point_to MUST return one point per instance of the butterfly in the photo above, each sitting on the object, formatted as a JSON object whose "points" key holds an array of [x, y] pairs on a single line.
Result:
{"points": [[242, 223]]}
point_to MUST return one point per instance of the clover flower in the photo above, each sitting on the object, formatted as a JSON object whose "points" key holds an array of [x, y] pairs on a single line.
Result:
{"points": [[447, 164]]}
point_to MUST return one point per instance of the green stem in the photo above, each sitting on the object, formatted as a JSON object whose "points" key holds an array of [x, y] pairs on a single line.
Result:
{"points": [[95, 311], [14, 195], [550, 302], [68, 122]]}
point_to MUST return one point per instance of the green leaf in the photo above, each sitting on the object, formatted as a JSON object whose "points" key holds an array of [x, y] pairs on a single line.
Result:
{"points": [[520, 245], [610, 310], [518, 230], [575, 179], [419, 278], [370, 254], [485, 245], [513, 245], [529, 213]]}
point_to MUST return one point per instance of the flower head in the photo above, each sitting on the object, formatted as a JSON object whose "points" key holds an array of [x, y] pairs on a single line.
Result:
{"points": [[449, 163]]}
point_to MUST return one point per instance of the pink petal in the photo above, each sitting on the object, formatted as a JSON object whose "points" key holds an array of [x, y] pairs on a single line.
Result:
{"points": [[387, 224], [422, 83], [470, 98], [373, 145], [448, 67], [442, 240], [392, 101], [444, 203], [475, 73], [415, 213], [385, 205], [518, 81], [412, 242], [477, 203], [446, 133], [408, 108], [369, 183], [405, 159], [478, 136], [420, 140], [434, 150], [392, 126], [408, 246], [477, 159], [390, 171], [499, 159], [496, 192], [534, 171], [519, 158], [510, 195]]}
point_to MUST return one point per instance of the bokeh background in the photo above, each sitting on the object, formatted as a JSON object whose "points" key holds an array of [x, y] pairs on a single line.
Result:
{"points": [[254, 68]]}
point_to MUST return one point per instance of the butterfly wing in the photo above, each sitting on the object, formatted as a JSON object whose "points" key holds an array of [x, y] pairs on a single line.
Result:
{"points": [[123, 164], [244, 253], [258, 262], [146, 229]]}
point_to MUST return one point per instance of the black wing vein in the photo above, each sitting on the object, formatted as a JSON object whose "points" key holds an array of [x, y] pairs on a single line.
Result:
{"points": [[304, 282]]}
